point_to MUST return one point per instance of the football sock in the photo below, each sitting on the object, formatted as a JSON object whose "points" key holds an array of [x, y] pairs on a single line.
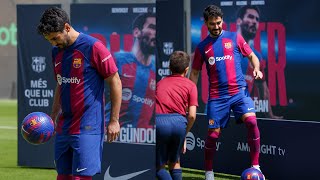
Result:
{"points": [[253, 139], [257, 167], [210, 149], [176, 174], [81, 178], [162, 174], [64, 177], [209, 175]]}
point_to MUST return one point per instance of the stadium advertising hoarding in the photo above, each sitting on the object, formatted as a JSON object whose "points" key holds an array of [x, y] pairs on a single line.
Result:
{"points": [[287, 149], [288, 54]]}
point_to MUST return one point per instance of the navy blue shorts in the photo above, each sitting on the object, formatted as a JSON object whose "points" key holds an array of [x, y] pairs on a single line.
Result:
{"points": [[218, 110], [170, 135], [78, 154]]}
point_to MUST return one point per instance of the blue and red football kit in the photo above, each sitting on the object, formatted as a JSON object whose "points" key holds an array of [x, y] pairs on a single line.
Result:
{"points": [[80, 71], [227, 86], [138, 91]]}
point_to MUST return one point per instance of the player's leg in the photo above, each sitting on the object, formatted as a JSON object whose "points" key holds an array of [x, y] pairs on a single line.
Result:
{"points": [[163, 133], [253, 137], [63, 158], [87, 155], [175, 170], [243, 108], [218, 112], [179, 125]]}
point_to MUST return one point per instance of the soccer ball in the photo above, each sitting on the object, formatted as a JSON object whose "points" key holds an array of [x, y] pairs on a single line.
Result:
{"points": [[37, 128], [252, 174]]}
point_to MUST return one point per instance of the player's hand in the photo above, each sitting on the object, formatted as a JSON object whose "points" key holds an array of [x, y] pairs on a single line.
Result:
{"points": [[113, 131], [55, 123], [257, 74], [184, 148]]}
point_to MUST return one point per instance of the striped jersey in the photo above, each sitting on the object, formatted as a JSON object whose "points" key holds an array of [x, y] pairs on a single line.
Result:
{"points": [[222, 56], [80, 70], [138, 91]]}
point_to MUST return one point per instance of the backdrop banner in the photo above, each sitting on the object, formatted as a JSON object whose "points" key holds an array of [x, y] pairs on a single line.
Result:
{"points": [[170, 33], [289, 56], [36, 82], [129, 32]]}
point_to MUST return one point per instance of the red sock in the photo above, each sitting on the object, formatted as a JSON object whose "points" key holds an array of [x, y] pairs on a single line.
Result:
{"points": [[253, 139], [210, 149], [81, 177], [64, 177]]}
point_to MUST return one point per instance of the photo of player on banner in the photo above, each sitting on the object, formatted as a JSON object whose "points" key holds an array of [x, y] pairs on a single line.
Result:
{"points": [[132, 44], [248, 18]]}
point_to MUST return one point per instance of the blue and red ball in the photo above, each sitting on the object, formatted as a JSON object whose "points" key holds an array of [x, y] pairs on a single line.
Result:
{"points": [[37, 128], [252, 174]]}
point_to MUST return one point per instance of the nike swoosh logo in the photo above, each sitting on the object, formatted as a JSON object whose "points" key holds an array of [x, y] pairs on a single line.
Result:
{"points": [[250, 109], [207, 51], [56, 64], [107, 175], [79, 170], [127, 75]]}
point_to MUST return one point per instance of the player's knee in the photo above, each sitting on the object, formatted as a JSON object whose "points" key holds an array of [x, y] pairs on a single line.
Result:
{"points": [[251, 122], [211, 139], [252, 126]]}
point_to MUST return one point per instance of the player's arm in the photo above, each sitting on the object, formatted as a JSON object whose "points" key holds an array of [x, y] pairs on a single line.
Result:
{"points": [[194, 75], [191, 117], [56, 107], [256, 65], [115, 97], [196, 66]]}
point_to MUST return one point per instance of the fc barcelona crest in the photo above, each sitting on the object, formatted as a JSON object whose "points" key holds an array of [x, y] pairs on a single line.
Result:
{"points": [[168, 48], [38, 64], [227, 45], [77, 62], [211, 122]]}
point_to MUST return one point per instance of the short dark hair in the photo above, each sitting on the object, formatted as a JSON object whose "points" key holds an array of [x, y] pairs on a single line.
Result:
{"points": [[52, 20], [141, 19], [212, 11], [242, 11], [179, 61]]}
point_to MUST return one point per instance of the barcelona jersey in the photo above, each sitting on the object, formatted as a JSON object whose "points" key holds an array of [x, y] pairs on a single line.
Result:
{"points": [[80, 70], [138, 91], [222, 56]]}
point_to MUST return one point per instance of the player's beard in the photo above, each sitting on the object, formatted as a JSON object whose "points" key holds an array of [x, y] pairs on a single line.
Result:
{"points": [[65, 43], [215, 32], [147, 45], [248, 32]]}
